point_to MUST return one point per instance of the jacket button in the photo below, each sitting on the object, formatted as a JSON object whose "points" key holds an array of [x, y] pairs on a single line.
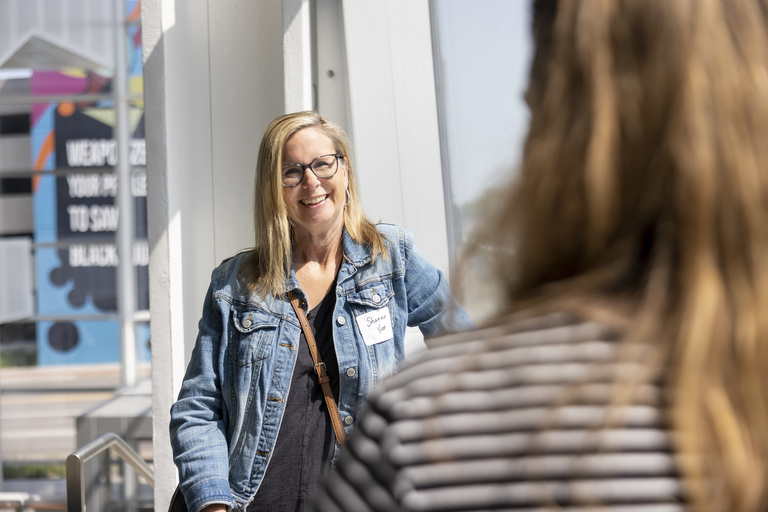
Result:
{"points": [[348, 420], [376, 298], [341, 320], [350, 372], [247, 323]]}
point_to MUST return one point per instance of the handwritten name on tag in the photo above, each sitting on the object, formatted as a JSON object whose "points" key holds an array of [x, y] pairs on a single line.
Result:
{"points": [[375, 326]]}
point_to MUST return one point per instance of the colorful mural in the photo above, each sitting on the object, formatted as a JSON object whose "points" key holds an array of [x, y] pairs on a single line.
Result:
{"points": [[76, 215]]}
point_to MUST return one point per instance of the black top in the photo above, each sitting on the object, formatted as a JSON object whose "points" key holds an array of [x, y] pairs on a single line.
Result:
{"points": [[305, 442]]}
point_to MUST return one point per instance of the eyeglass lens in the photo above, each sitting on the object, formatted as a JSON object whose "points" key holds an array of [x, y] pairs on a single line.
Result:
{"points": [[323, 166]]}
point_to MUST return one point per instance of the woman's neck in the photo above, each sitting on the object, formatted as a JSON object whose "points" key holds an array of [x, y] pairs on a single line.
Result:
{"points": [[316, 261], [319, 248]]}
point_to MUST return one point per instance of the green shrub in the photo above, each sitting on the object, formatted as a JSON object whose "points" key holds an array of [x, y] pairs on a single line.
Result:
{"points": [[12, 358], [33, 471]]}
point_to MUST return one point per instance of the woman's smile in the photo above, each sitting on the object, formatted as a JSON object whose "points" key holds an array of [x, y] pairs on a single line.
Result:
{"points": [[314, 201]]}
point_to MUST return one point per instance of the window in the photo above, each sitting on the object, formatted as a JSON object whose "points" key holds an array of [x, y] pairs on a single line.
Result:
{"points": [[482, 54]]}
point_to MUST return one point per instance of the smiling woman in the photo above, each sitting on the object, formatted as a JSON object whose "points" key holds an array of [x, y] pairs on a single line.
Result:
{"points": [[323, 290]]}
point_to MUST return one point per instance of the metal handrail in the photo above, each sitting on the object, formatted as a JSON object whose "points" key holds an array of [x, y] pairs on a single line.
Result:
{"points": [[76, 479]]}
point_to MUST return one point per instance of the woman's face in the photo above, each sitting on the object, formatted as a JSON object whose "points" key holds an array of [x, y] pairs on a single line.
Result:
{"points": [[315, 205]]}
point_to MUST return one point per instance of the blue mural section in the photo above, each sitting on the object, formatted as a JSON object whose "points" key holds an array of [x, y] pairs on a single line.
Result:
{"points": [[88, 342]]}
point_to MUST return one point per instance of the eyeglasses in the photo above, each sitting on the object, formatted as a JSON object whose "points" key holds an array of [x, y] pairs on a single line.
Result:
{"points": [[324, 167]]}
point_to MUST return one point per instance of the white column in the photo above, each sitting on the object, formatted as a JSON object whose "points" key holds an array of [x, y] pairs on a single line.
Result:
{"points": [[161, 43]]}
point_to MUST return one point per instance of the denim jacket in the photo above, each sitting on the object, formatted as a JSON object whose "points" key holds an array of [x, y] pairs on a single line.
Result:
{"points": [[225, 422]]}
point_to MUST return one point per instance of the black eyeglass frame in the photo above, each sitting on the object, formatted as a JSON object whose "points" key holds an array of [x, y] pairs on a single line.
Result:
{"points": [[304, 168]]}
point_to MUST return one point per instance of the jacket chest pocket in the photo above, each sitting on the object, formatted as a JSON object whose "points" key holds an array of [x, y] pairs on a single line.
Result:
{"points": [[251, 335], [373, 313], [371, 297], [375, 322]]}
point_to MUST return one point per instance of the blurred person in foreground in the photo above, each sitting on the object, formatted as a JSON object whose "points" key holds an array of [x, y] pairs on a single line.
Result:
{"points": [[631, 369], [251, 428]]}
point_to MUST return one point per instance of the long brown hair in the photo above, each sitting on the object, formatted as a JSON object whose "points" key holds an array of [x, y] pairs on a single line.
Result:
{"points": [[267, 266], [645, 179]]}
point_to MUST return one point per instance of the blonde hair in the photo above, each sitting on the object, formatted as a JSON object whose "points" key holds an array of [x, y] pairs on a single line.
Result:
{"points": [[645, 179], [268, 264]]}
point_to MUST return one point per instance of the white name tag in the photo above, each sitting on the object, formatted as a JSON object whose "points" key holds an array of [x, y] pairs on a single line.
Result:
{"points": [[375, 326]]}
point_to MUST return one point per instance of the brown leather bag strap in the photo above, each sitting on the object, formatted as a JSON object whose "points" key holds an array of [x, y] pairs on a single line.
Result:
{"points": [[320, 370]]}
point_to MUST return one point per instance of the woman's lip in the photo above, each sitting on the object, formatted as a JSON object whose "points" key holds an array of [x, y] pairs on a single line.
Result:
{"points": [[314, 200]]}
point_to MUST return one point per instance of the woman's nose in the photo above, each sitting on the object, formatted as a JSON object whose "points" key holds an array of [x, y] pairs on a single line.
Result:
{"points": [[310, 180]]}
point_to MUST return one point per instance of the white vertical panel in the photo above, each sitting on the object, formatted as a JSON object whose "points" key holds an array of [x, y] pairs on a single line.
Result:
{"points": [[394, 118], [372, 108], [54, 20], [78, 9], [246, 94], [9, 25], [297, 50], [101, 39], [418, 134], [84, 38], [16, 296], [331, 68], [28, 14], [16, 214], [14, 152]]}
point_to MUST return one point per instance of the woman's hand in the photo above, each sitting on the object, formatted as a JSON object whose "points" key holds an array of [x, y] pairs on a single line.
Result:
{"points": [[216, 507]]}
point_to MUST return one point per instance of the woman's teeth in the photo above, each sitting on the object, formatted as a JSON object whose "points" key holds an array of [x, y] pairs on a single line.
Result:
{"points": [[314, 200]]}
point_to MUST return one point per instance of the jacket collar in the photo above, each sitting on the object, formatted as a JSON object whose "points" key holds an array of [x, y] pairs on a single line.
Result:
{"points": [[355, 253]]}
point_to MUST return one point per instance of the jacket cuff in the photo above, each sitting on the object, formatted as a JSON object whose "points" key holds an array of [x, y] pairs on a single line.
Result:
{"points": [[208, 492]]}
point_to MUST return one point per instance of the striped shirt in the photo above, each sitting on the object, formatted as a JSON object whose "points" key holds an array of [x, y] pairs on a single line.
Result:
{"points": [[523, 416]]}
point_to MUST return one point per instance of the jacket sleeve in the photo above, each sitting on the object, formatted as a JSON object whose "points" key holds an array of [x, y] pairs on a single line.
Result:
{"points": [[198, 419], [431, 304]]}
